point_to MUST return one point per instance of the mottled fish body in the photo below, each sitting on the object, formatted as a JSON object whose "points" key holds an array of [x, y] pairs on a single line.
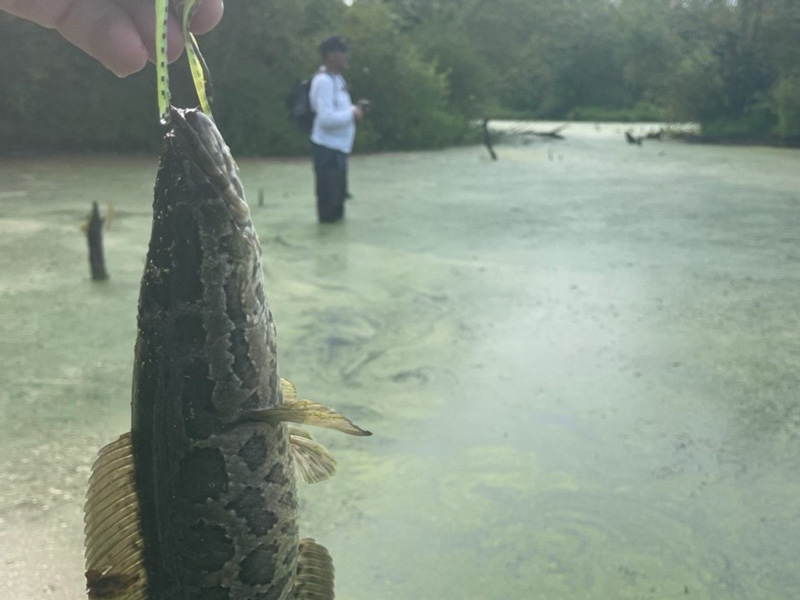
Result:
{"points": [[199, 501]]}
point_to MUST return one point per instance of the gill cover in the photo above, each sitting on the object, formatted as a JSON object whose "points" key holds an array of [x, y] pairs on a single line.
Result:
{"points": [[200, 137]]}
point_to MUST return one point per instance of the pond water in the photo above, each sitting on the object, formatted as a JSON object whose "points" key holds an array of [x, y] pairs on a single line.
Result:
{"points": [[580, 364]]}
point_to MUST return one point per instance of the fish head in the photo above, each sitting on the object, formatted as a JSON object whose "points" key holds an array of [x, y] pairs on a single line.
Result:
{"points": [[200, 140], [203, 239]]}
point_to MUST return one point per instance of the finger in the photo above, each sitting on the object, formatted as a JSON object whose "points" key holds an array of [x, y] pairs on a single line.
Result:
{"points": [[207, 16], [98, 27], [44, 12], [143, 15]]}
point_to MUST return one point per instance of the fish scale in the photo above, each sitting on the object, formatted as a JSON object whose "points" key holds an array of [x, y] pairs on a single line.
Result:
{"points": [[213, 489], [194, 479]]}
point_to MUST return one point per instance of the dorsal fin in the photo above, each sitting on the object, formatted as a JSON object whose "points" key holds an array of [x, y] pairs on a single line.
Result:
{"points": [[114, 546], [314, 579]]}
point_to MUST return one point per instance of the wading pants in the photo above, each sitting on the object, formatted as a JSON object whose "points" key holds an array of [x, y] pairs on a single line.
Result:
{"points": [[330, 170]]}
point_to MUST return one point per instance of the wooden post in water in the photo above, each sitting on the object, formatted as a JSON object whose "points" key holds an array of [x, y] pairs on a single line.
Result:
{"points": [[94, 235], [487, 139]]}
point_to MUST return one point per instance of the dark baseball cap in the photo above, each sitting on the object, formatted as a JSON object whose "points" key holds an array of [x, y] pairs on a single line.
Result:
{"points": [[334, 43]]}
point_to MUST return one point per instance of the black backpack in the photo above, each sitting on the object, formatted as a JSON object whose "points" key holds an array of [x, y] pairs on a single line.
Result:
{"points": [[300, 113]]}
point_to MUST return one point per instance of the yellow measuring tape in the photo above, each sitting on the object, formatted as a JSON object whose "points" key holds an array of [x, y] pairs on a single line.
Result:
{"points": [[198, 67]]}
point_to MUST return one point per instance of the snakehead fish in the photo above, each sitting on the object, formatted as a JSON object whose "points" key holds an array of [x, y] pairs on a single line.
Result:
{"points": [[198, 501]]}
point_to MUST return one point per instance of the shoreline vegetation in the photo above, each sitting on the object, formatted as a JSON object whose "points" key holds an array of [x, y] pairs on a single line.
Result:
{"points": [[431, 69]]}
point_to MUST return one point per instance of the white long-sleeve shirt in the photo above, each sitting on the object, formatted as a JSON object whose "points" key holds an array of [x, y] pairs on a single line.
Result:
{"points": [[334, 123]]}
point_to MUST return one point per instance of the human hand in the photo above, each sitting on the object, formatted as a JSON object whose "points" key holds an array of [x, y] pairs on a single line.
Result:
{"points": [[361, 108], [118, 33]]}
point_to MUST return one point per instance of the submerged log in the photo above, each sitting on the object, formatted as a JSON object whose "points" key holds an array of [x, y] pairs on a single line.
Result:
{"points": [[94, 235], [525, 129]]}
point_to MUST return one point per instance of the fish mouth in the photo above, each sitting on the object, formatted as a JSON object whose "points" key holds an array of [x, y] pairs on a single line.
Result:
{"points": [[199, 137]]}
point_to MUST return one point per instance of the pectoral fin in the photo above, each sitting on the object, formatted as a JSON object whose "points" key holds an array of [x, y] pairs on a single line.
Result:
{"points": [[312, 461], [306, 412], [314, 579], [114, 546]]}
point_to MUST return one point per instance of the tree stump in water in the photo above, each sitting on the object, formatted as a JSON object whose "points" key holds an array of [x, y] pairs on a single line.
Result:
{"points": [[487, 139], [94, 234]]}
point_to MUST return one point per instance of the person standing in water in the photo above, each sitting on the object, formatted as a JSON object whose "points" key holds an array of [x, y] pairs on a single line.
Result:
{"points": [[334, 128]]}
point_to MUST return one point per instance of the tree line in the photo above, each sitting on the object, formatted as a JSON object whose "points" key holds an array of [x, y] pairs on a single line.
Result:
{"points": [[431, 68]]}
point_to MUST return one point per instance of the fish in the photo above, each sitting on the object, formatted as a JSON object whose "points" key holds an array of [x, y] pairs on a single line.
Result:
{"points": [[199, 500]]}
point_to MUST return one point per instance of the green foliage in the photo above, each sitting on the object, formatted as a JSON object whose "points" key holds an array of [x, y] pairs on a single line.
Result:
{"points": [[468, 76], [431, 69], [694, 89], [724, 62], [755, 124], [641, 113], [410, 99], [786, 94], [43, 104]]}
